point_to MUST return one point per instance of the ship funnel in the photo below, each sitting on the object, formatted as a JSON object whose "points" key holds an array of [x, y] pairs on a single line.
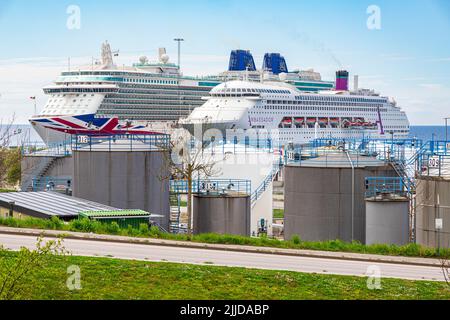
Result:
{"points": [[241, 60], [275, 63], [342, 80]]}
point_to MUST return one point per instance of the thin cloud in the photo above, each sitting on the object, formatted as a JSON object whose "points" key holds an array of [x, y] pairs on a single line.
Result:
{"points": [[396, 57]]}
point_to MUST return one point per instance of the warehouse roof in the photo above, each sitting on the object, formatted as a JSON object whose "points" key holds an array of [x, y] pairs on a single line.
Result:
{"points": [[48, 204]]}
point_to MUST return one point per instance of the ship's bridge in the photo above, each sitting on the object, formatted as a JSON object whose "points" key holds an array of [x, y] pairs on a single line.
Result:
{"points": [[248, 88]]}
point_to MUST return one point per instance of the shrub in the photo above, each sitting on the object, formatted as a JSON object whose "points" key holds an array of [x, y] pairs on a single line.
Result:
{"points": [[295, 239], [143, 229], [154, 232], [113, 228], [56, 223]]}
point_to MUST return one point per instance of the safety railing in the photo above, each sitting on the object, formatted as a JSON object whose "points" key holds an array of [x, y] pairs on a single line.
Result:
{"points": [[328, 158], [61, 184], [266, 183], [236, 145], [386, 185], [212, 186], [59, 149], [435, 165], [120, 142]]}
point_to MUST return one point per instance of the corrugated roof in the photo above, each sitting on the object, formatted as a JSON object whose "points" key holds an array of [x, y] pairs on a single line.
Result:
{"points": [[47, 204], [116, 213]]}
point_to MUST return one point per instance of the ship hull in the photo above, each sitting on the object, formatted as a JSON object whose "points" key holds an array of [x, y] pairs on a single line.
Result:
{"points": [[54, 130]]}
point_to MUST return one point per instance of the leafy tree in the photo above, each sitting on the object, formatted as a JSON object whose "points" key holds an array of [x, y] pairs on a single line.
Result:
{"points": [[15, 270]]}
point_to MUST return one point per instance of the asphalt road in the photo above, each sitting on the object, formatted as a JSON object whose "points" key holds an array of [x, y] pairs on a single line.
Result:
{"points": [[231, 259]]}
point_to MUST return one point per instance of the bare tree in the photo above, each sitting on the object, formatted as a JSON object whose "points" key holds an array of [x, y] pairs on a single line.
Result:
{"points": [[191, 159]]}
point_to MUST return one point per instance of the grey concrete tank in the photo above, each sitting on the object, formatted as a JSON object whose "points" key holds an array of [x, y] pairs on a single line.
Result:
{"points": [[318, 197], [428, 209], [124, 179], [387, 220], [222, 214]]}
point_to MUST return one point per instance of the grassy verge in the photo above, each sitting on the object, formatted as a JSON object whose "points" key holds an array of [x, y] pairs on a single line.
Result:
{"points": [[107, 278], [84, 225], [278, 213]]}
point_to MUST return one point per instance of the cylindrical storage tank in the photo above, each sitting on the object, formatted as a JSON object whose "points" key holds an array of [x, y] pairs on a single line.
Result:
{"points": [[222, 214], [433, 202], [387, 220], [124, 179], [318, 197]]}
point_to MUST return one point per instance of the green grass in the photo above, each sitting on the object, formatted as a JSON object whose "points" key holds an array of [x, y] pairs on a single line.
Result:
{"points": [[278, 213], [183, 204], [103, 278], [84, 225], [6, 190]]}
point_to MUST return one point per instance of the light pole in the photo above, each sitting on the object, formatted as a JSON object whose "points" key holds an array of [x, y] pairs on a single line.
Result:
{"points": [[446, 129], [179, 40]]}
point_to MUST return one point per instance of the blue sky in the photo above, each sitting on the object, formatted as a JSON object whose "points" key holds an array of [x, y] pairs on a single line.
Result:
{"points": [[408, 58]]}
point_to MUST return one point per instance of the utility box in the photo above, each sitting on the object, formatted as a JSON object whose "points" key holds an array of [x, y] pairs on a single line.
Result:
{"points": [[123, 218]]}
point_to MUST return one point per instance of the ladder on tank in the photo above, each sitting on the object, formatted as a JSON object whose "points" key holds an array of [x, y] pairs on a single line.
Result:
{"points": [[175, 214]]}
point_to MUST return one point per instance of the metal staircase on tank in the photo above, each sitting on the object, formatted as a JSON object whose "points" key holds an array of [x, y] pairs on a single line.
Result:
{"points": [[265, 184], [175, 213], [41, 172]]}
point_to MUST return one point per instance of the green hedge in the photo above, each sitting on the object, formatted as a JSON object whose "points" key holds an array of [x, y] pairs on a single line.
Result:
{"points": [[86, 225]]}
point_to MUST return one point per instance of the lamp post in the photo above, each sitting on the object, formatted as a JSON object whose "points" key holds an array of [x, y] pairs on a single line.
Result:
{"points": [[179, 40], [446, 129]]}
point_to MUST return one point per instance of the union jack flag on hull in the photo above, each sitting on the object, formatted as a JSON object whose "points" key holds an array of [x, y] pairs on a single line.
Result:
{"points": [[58, 129]]}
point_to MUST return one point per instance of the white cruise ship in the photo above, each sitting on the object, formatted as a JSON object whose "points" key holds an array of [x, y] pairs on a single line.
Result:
{"points": [[299, 117], [104, 98]]}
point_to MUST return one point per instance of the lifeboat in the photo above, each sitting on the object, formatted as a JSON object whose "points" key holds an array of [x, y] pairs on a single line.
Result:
{"points": [[311, 122], [334, 122], [323, 122], [286, 123], [299, 122]]}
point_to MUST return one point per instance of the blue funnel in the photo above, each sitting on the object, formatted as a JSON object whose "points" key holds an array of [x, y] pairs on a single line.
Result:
{"points": [[275, 63], [241, 60]]}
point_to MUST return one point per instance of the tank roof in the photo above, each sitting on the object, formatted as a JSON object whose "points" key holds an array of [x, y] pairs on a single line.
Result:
{"points": [[340, 160]]}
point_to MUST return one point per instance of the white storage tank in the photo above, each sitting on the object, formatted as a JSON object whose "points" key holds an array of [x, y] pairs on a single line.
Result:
{"points": [[387, 219]]}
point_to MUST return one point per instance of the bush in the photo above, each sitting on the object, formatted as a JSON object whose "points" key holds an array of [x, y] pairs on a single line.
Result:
{"points": [[86, 225], [154, 232], [143, 229], [56, 223], [113, 228], [295, 239]]}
